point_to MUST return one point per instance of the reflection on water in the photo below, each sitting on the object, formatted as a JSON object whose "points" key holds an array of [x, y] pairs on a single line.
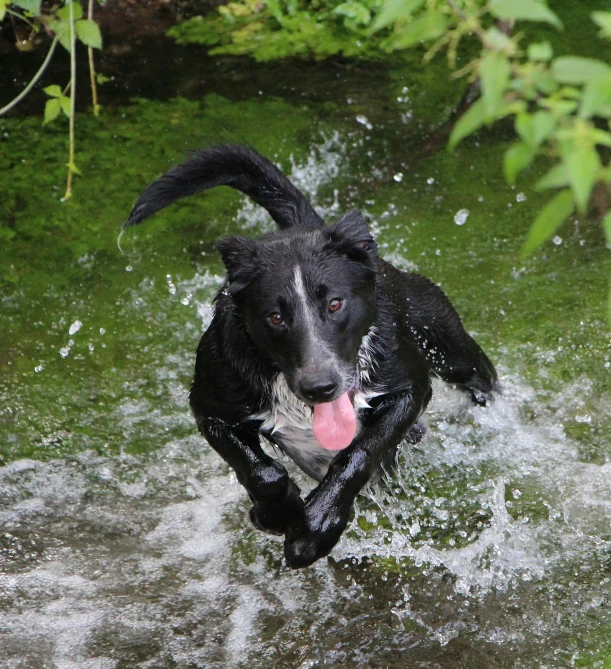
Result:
{"points": [[125, 539]]}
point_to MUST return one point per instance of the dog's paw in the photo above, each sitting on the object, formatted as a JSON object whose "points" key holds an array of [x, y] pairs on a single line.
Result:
{"points": [[275, 517], [315, 537], [304, 551], [481, 398]]}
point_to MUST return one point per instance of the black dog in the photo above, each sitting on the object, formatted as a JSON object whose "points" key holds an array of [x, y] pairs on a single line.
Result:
{"points": [[317, 344]]}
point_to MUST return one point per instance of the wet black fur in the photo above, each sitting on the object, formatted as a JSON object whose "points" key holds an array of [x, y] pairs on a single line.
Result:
{"points": [[417, 334]]}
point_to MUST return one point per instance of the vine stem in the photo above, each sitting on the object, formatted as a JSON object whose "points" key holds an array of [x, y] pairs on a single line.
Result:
{"points": [[20, 16], [71, 166], [94, 87], [34, 81]]}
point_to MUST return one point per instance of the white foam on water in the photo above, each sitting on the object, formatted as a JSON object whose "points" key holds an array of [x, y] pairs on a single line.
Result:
{"points": [[242, 621], [499, 438]]}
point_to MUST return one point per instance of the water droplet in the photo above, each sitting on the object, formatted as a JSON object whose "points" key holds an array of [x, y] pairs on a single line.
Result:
{"points": [[557, 240], [520, 197], [363, 120], [398, 177], [102, 331], [39, 368], [460, 217], [430, 181], [75, 327], [129, 268], [64, 351]]}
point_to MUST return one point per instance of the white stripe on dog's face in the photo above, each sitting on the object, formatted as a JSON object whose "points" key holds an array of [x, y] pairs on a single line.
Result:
{"points": [[308, 310]]}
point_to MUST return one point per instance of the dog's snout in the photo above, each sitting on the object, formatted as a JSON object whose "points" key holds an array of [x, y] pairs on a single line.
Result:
{"points": [[318, 389]]}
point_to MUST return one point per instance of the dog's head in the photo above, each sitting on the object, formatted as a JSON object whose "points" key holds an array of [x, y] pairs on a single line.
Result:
{"points": [[307, 298]]}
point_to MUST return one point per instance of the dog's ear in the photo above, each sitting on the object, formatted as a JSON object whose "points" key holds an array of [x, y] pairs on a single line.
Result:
{"points": [[241, 258], [351, 237]]}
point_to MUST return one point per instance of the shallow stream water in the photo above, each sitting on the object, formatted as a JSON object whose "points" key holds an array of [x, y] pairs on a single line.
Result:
{"points": [[125, 540]]}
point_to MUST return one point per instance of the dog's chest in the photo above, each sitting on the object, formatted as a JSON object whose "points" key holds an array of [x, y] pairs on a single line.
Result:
{"points": [[288, 423]]}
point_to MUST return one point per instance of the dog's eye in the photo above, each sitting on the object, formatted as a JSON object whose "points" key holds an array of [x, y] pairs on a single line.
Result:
{"points": [[276, 319], [335, 305]]}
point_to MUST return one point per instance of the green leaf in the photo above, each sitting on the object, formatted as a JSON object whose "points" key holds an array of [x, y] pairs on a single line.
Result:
{"points": [[28, 5], [3, 6], [601, 137], [535, 128], [62, 30], [494, 74], [64, 12], [596, 99], [607, 228], [496, 40], [570, 92], [511, 108], [101, 78], [525, 127], [65, 104], [394, 10], [73, 168], [603, 19], [554, 213], [544, 82], [355, 13], [578, 70], [89, 33], [543, 125], [468, 123], [557, 177], [517, 158], [540, 51], [423, 28], [54, 91], [561, 107], [52, 110], [583, 166], [528, 10]]}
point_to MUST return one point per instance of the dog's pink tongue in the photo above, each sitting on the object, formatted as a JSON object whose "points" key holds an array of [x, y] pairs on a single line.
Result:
{"points": [[335, 423]]}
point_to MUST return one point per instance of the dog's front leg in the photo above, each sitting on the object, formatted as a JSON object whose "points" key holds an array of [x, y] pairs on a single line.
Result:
{"points": [[276, 498], [328, 507]]}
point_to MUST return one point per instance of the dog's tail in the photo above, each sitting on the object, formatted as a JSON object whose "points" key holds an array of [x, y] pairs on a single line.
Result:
{"points": [[241, 168]]}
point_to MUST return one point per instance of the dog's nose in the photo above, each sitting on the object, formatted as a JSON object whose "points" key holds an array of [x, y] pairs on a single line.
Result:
{"points": [[318, 390]]}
